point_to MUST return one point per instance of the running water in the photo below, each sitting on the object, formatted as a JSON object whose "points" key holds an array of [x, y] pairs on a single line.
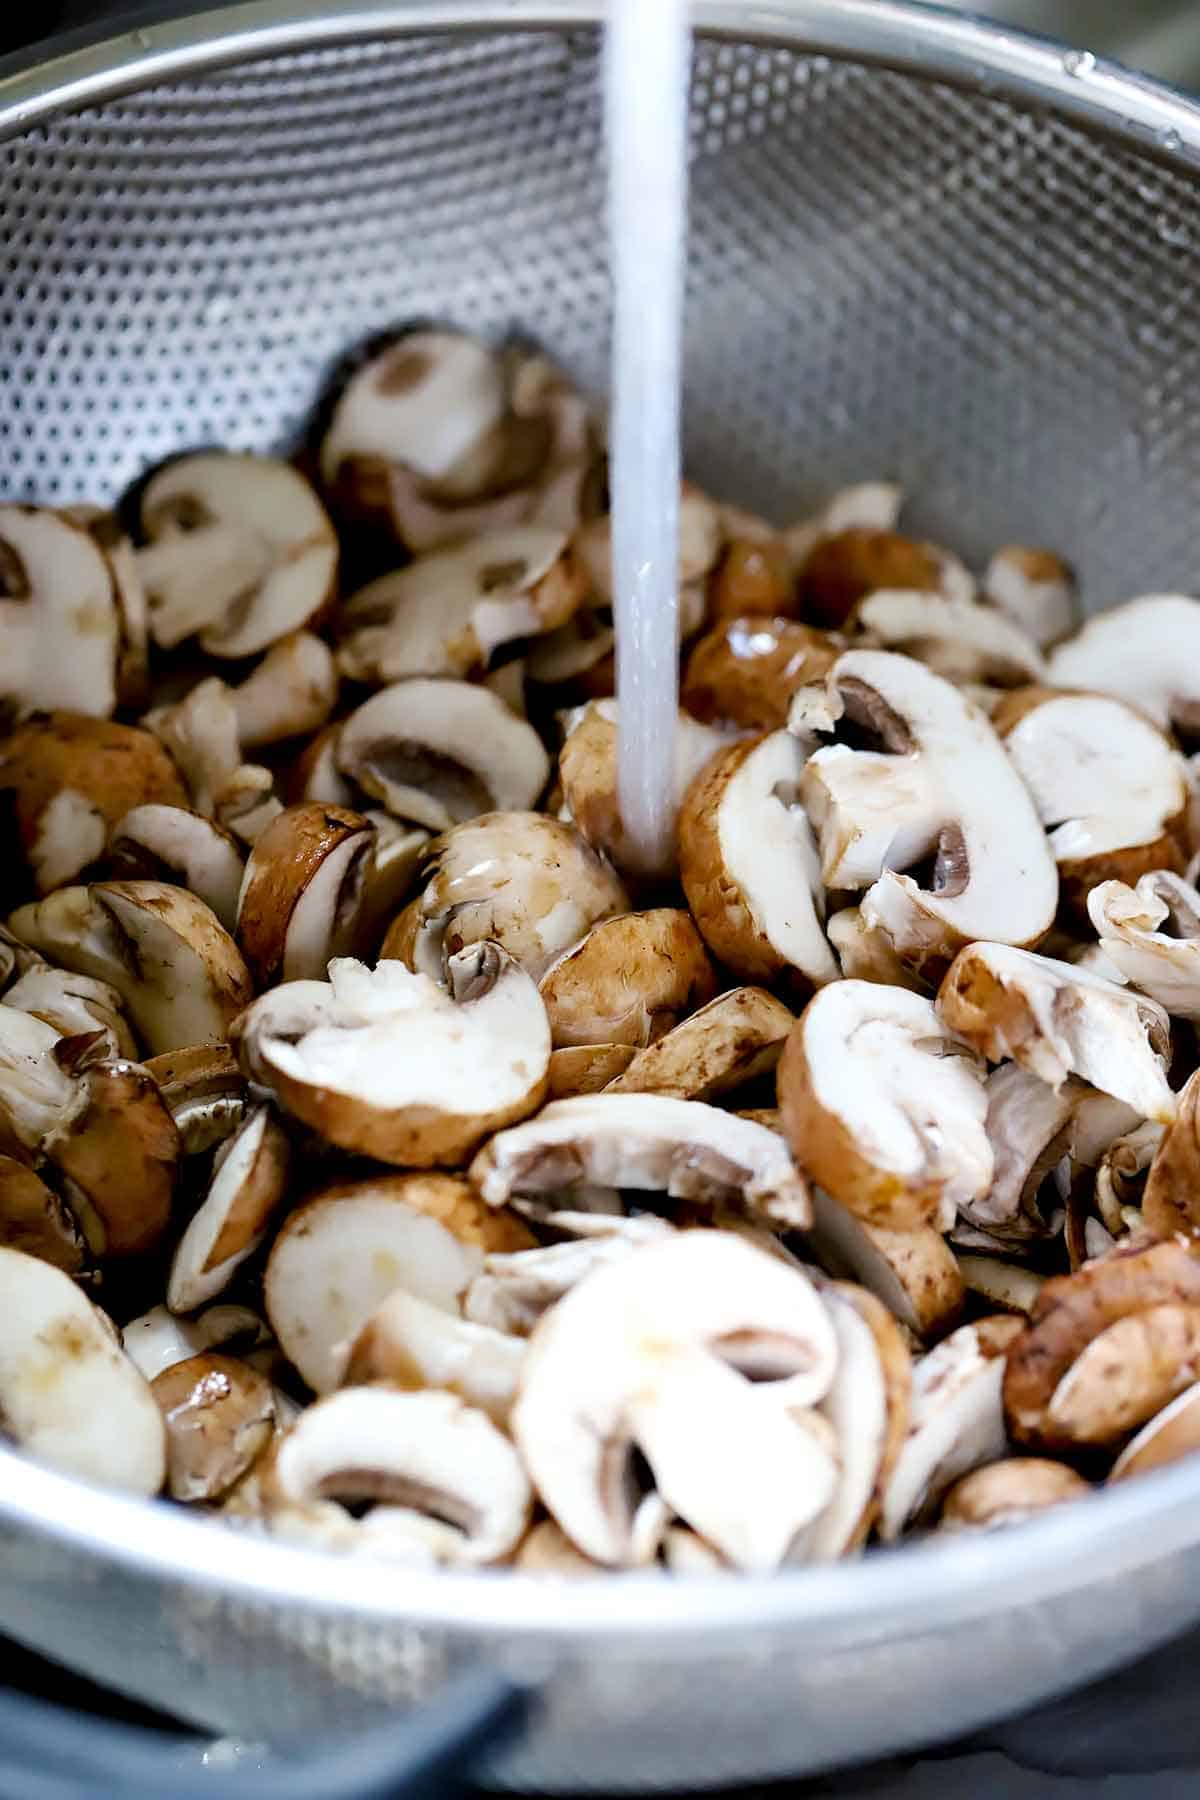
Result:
{"points": [[648, 48]]}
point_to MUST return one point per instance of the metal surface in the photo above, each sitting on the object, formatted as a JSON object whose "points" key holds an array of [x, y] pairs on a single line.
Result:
{"points": [[983, 283]]}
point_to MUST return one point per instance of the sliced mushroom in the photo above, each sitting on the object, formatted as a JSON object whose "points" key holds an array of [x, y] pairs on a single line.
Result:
{"points": [[205, 1093], [314, 775], [74, 1005], [913, 1273], [117, 1144], [302, 893], [104, 529], [1170, 1434], [745, 671], [155, 1340], [414, 1345], [34, 1088], [180, 975], [734, 1039], [961, 640], [701, 537], [1035, 589], [702, 1353], [843, 567], [628, 981], [1152, 935], [752, 579], [69, 1396], [219, 1415], [883, 1106], [385, 1063], [292, 690], [1002, 1284], [650, 1141], [749, 864], [427, 1454], [864, 505], [338, 1257], [1146, 652], [547, 1550], [397, 853], [239, 552], [1171, 1197], [1029, 1126], [956, 1423], [587, 770], [1124, 1376], [447, 613], [59, 622], [34, 1219], [68, 780], [249, 1181], [939, 786], [867, 954], [524, 881], [175, 845], [586, 1069], [1121, 1175], [517, 1287], [1057, 1020], [1009, 1491], [439, 752]]}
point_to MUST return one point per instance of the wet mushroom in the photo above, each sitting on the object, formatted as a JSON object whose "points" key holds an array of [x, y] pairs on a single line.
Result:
{"points": [[843, 567], [205, 1093], [629, 981], [962, 640], [116, 1144], [34, 1219], [1146, 652], [1035, 589], [176, 845], [292, 690], [745, 671], [249, 1181], [59, 622], [302, 892], [753, 579], [1151, 934], [1009, 1491], [157, 1339], [219, 1416], [74, 1005], [734, 1039]]}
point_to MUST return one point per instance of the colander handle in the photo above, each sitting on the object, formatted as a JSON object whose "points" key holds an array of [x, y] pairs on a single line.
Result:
{"points": [[50, 1753]]}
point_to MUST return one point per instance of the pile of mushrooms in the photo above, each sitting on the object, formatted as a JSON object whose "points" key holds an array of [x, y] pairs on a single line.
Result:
{"points": [[388, 1164]]}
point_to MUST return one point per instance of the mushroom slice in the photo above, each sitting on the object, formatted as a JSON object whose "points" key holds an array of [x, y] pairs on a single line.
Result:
{"points": [[179, 973], [844, 566], [1171, 1196], [547, 1550], [117, 1144], [1029, 1128], [60, 626], [426, 1453], [736, 1038], [701, 537], [219, 1415], [1108, 785], [68, 779], [941, 786], [302, 892], [517, 1287], [1146, 652], [1073, 1312], [396, 854], [447, 613], [1035, 589], [700, 1352], [385, 1063], [749, 864], [69, 1396], [524, 881], [1170, 1434], [1057, 1020], [1124, 1376], [34, 1088], [34, 1219], [1002, 1284], [74, 1005], [411, 1344], [956, 1422], [338, 1257], [753, 579], [175, 845], [239, 552], [205, 1093], [586, 1069], [104, 529], [745, 671], [587, 770], [628, 981], [962, 640], [314, 774], [157, 1339], [650, 1141], [201, 733], [291, 691], [439, 752], [1163, 963], [1008, 1492], [884, 1107], [249, 1181], [867, 954], [913, 1273]]}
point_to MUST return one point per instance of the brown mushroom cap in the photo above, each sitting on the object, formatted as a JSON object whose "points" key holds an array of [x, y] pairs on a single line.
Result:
{"points": [[205, 1093], [586, 1069], [302, 892], [1005, 1492], [628, 981], [913, 1273], [1125, 1375], [34, 1219], [1171, 1196], [753, 577], [118, 1145], [841, 569], [732, 1040], [745, 670], [219, 1415]]}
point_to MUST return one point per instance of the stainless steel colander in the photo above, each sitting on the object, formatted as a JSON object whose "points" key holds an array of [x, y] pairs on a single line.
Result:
{"points": [[921, 247]]}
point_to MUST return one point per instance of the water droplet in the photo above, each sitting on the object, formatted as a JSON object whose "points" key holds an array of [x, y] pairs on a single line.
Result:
{"points": [[1078, 62], [1169, 138]]}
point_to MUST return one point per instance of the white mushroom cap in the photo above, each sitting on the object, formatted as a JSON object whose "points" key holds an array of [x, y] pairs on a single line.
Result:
{"points": [[157, 1339], [962, 640], [415, 1345], [240, 553], [74, 1004], [1057, 1020], [1035, 589], [941, 785], [249, 1182], [1146, 652], [657, 1352], [58, 613], [913, 1273], [883, 1106], [384, 1062], [1165, 964], [678, 1147], [69, 1396], [438, 752], [292, 690], [425, 1452], [518, 1286], [171, 843]]}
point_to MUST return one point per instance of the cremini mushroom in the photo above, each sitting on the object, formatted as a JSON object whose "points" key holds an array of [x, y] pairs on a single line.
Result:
{"points": [[219, 1415], [844, 566], [586, 1069], [939, 786], [629, 981], [201, 732], [650, 1141], [179, 973], [1151, 934], [338, 1258], [397, 852], [1009, 1491], [745, 671], [867, 953], [1057, 1020], [67, 780], [383, 1062], [705, 1355], [547, 1550], [732, 1040], [438, 752], [74, 1005], [1006, 1285], [701, 537], [239, 552], [1035, 589], [753, 578], [292, 690], [34, 1087], [1170, 1434], [516, 1287], [412, 1344], [157, 1339], [33, 1218], [302, 892], [962, 640], [59, 621], [184, 848], [1146, 652], [1028, 1124], [69, 1396], [205, 1093], [1171, 1196], [113, 543], [749, 866], [884, 1107], [116, 1144], [913, 1273], [249, 1181]]}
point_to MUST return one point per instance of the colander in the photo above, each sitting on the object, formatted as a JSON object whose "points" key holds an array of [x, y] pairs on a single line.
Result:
{"points": [[921, 247]]}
